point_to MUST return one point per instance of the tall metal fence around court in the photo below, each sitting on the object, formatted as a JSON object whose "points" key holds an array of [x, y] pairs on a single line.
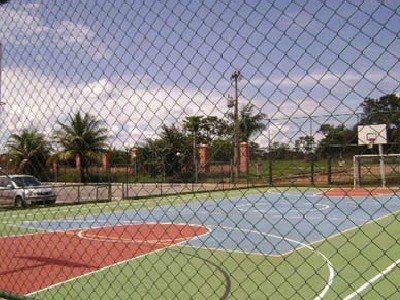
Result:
{"points": [[199, 149]]}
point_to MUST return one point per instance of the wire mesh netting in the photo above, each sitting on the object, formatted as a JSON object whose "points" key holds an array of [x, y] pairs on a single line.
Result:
{"points": [[199, 149]]}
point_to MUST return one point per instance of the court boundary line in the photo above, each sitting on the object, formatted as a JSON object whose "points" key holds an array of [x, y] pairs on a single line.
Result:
{"points": [[298, 248], [369, 283], [121, 262], [303, 245], [81, 235], [331, 270]]}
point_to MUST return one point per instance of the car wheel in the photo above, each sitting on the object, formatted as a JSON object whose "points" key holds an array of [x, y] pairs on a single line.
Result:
{"points": [[19, 202], [50, 202]]}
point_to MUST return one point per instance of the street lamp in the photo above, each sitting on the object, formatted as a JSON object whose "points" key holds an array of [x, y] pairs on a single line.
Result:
{"points": [[134, 157]]}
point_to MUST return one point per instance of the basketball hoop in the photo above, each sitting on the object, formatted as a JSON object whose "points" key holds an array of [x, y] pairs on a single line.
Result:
{"points": [[371, 143], [371, 137]]}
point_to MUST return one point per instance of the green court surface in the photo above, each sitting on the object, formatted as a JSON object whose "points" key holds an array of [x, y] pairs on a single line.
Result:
{"points": [[352, 262]]}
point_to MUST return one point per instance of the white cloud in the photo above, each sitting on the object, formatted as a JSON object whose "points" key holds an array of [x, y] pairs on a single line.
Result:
{"points": [[38, 101], [19, 25], [97, 89], [70, 33]]}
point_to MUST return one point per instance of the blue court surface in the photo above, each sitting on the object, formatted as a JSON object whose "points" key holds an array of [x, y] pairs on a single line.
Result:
{"points": [[268, 223]]}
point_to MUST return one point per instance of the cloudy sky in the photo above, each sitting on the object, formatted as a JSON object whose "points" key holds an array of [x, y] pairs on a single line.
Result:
{"points": [[140, 64]]}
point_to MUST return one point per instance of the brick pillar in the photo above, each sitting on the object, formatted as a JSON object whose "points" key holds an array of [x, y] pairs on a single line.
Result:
{"points": [[54, 166], [78, 162], [106, 161], [244, 157], [204, 150]]}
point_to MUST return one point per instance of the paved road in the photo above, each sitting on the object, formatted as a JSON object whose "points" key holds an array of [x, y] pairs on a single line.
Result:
{"points": [[77, 193]]}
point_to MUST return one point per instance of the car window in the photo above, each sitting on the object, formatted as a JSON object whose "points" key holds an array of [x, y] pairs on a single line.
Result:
{"points": [[4, 181], [26, 181]]}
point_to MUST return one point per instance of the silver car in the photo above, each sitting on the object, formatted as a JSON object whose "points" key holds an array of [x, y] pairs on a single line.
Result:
{"points": [[25, 189]]}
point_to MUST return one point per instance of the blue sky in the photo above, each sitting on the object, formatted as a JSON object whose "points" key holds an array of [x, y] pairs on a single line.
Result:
{"points": [[139, 64]]}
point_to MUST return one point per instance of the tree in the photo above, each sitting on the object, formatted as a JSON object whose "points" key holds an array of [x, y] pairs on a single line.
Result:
{"points": [[169, 153], [249, 123], [280, 150], [221, 150], [29, 151], [336, 139], [213, 128], [82, 137], [385, 110], [304, 144]]}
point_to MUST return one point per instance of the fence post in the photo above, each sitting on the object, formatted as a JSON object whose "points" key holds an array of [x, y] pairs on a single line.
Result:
{"points": [[329, 169], [312, 167], [270, 179]]}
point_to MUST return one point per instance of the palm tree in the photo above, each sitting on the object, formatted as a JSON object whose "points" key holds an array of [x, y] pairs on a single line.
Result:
{"points": [[249, 123], [28, 151], [82, 137]]}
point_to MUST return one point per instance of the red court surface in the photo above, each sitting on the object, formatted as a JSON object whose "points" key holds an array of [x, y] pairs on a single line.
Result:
{"points": [[351, 192], [34, 262]]}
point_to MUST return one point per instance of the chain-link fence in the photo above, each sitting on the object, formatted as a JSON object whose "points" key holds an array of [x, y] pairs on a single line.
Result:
{"points": [[200, 149]]}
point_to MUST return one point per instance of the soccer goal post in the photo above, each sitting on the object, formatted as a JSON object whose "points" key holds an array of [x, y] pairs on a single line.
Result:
{"points": [[375, 169]]}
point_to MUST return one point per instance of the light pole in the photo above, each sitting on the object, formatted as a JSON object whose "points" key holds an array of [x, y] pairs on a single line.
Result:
{"points": [[1, 70], [235, 77], [134, 157]]}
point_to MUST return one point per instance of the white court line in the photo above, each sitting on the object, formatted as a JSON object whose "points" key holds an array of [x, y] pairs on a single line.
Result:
{"points": [[374, 279], [332, 273], [122, 262], [81, 234], [269, 207]]}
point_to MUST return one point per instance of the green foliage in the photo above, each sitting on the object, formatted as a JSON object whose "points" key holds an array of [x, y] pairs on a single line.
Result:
{"points": [[193, 124], [249, 123], [215, 128], [279, 150], [221, 150], [82, 137], [385, 110], [119, 157], [168, 154], [28, 152], [305, 144], [337, 140]]}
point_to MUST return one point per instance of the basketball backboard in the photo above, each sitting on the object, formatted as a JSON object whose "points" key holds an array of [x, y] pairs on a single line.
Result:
{"points": [[372, 134]]}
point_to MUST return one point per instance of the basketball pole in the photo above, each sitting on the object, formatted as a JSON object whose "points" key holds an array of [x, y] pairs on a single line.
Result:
{"points": [[382, 165]]}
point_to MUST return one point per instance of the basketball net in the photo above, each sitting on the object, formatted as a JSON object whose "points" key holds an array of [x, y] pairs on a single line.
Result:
{"points": [[371, 142]]}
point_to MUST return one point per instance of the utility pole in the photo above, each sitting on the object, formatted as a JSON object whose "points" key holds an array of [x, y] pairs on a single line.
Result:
{"points": [[236, 76], [1, 71], [1, 68]]}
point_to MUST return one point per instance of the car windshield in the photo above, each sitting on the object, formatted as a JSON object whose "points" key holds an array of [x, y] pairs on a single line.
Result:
{"points": [[26, 181]]}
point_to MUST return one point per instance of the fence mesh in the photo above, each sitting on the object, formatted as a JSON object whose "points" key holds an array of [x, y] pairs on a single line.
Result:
{"points": [[199, 149]]}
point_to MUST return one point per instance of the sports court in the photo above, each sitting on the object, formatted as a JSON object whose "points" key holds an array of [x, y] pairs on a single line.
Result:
{"points": [[271, 224], [213, 149]]}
